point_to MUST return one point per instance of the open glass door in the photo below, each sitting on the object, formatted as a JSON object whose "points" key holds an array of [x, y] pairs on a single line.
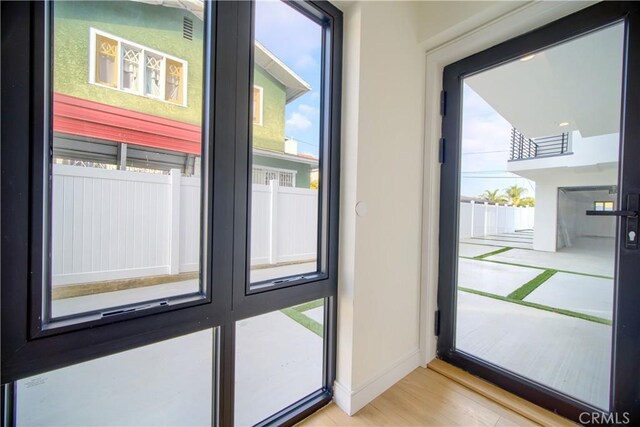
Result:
{"points": [[530, 265]]}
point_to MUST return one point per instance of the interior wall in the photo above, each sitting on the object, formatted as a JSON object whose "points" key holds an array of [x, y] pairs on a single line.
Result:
{"points": [[573, 221], [382, 147], [389, 254]]}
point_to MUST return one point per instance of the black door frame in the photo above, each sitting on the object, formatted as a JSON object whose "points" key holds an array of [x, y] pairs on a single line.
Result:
{"points": [[28, 348], [625, 387]]}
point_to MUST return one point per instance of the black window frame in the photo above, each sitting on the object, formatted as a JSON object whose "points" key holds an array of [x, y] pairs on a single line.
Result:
{"points": [[28, 350]]}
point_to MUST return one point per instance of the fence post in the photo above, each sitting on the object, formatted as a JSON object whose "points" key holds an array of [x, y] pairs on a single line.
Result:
{"points": [[174, 221], [486, 218], [273, 221], [473, 205]]}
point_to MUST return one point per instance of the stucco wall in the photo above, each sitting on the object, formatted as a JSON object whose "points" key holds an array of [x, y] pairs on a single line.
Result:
{"points": [[270, 135], [156, 27]]}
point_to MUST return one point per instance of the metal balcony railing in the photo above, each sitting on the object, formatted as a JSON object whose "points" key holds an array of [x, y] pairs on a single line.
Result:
{"points": [[530, 148]]}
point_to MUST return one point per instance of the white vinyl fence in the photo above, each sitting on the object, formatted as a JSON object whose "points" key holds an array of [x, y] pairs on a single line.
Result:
{"points": [[113, 224], [483, 219], [284, 224]]}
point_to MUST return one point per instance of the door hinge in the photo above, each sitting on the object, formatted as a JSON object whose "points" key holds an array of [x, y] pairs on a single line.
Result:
{"points": [[436, 323], [443, 103], [441, 150]]}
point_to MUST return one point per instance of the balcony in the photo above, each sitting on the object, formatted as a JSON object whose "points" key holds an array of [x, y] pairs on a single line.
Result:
{"points": [[523, 148]]}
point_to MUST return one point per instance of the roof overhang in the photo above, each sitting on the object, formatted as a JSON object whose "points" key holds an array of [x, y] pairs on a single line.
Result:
{"points": [[578, 82], [294, 85]]}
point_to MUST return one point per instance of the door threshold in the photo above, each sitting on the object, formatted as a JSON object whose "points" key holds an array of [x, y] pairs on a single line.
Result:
{"points": [[509, 400]]}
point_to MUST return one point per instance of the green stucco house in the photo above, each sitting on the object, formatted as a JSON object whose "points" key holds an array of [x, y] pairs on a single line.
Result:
{"points": [[130, 94]]}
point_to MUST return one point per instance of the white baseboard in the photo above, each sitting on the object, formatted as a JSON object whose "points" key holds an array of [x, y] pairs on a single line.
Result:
{"points": [[351, 401]]}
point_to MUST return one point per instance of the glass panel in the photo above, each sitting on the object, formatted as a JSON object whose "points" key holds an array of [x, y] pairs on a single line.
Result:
{"points": [[130, 68], [279, 360], [540, 143], [163, 384], [126, 166], [286, 139], [106, 66]]}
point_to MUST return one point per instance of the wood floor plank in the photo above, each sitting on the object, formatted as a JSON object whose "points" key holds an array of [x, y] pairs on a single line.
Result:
{"points": [[432, 377], [427, 397], [509, 400]]}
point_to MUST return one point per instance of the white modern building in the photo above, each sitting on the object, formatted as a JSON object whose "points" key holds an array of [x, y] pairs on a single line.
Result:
{"points": [[565, 133]]}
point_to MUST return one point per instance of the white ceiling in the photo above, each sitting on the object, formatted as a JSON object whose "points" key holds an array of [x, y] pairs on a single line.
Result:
{"points": [[578, 82]]}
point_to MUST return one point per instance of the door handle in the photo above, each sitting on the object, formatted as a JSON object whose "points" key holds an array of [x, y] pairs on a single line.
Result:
{"points": [[631, 225], [628, 214]]}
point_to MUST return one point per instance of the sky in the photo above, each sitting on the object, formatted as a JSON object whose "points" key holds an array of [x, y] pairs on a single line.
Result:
{"points": [[485, 149], [297, 41]]}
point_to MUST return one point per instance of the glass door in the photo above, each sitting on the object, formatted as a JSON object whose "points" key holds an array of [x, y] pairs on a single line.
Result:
{"points": [[530, 273]]}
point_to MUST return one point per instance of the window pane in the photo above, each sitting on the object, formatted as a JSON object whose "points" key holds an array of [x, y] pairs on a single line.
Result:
{"points": [[106, 67], [163, 384], [126, 164], [174, 81], [286, 143], [154, 66], [130, 68], [279, 359]]}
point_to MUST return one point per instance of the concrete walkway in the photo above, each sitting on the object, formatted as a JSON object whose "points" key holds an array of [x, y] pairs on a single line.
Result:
{"points": [[562, 351], [590, 255], [516, 239], [278, 362], [582, 294], [498, 279], [567, 354]]}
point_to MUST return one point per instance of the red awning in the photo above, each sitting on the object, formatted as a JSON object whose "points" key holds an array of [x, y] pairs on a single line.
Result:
{"points": [[76, 116]]}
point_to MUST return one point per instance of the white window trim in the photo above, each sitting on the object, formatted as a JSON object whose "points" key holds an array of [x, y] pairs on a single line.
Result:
{"points": [[261, 90], [93, 32], [268, 168]]}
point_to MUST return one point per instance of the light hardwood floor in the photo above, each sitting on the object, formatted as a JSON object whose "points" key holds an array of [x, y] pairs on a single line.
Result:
{"points": [[429, 398]]}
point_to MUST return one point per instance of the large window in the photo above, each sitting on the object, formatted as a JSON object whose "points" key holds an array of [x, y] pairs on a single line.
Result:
{"points": [[129, 222], [143, 71]]}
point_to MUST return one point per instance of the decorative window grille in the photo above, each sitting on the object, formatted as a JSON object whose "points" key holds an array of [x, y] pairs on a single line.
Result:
{"points": [[107, 50], [264, 176], [174, 81], [130, 67], [153, 77]]}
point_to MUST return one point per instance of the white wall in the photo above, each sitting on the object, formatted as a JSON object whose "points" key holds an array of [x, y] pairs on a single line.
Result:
{"points": [[379, 283], [547, 184], [388, 258]]}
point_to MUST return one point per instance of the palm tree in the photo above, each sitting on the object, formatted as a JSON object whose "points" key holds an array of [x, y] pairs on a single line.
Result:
{"points": [[514, 194], [527, 201], [493, 196]]}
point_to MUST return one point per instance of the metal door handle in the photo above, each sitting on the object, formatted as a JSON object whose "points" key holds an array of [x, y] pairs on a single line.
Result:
{"points": [[632, 219], [629, 214]]}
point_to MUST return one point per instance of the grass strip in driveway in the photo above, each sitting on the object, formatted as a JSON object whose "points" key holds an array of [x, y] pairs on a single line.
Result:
{"points": [[296, 314], [524, 290], [309, 305], [305, 321], [499, 251], [600, 276], [569, 313]]}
